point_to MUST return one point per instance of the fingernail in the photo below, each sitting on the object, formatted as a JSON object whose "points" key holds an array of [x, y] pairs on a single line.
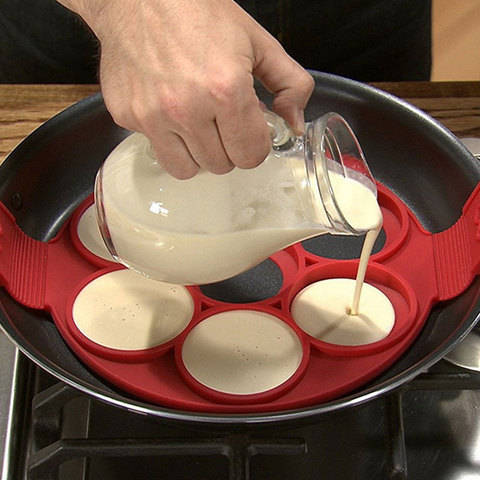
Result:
{"points": [[300, 127]]}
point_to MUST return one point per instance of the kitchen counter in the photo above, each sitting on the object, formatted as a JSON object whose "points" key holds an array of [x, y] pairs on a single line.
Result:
{"points": [[24, 107]]}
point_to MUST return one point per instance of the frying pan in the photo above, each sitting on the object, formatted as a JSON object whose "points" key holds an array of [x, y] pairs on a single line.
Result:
{"points": [[52, 171]]}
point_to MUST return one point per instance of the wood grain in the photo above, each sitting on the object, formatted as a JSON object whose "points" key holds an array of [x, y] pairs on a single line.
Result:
{"points": [[24, 107], [454, 104]]}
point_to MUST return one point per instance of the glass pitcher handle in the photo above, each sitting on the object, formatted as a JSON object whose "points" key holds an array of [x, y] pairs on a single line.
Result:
{"points": [[282, 136]]}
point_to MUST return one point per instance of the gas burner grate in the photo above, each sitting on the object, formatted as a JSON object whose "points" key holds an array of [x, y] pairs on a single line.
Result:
{"points": [[49, 450], [61, 446], [394, 420]]}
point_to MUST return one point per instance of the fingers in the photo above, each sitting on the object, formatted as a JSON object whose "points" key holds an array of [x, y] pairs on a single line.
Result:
{"points": [[195, 133], [291, 85], [180, 124], [173, 155], [240, 121], [217, 128], [182, 154]]}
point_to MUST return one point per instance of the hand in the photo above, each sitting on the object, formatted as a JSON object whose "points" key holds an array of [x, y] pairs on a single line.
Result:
{"points": [[181, 72]]}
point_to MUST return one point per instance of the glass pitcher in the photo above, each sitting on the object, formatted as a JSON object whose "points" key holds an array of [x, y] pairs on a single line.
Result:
{"points": [[212, 227]]}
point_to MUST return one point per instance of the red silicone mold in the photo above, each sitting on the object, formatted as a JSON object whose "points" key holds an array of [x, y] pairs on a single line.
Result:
{"points": [[415, 269]]}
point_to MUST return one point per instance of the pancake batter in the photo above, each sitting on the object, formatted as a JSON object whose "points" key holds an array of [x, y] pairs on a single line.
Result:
{"points": [[323, 311], [242, 352], [123, 310]]}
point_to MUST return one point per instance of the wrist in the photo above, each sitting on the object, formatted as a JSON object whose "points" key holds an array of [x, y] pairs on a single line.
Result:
{"points": [[89, 10]]}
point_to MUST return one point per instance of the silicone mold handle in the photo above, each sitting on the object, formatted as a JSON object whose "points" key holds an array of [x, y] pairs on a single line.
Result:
{"points": [[33, 271], [23, 262], [457, 250]]}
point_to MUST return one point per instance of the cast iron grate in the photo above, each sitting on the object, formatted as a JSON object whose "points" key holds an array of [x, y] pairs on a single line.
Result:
{"points": [[48, 450]]}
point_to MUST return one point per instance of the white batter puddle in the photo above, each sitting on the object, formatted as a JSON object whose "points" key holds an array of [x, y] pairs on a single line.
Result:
{"points": [[123, 310], [242, 352], [323, 309]]}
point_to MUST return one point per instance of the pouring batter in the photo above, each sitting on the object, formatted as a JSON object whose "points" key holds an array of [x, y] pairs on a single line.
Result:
{"points": [[344, 311]]}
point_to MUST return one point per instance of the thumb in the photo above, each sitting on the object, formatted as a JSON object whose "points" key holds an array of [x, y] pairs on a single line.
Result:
{"points": [[291, 84]]}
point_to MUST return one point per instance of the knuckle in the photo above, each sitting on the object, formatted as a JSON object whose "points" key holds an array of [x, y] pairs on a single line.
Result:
{"points": [[224, 85], [306, 83], [138, 113], [121, 113], [173, 108], [131, 114], [123, 119]]}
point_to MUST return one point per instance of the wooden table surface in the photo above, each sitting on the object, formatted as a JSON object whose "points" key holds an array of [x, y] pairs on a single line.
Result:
{"points": [[25, 107]]}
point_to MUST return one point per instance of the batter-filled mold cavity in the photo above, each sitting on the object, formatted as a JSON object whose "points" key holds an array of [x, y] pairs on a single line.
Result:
{"points": [[242, 355], [322, 305], [86, 235], [122, 315]]}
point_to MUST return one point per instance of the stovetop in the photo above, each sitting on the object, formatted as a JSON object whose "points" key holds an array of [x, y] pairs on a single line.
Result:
{"points": [[428, 429]]}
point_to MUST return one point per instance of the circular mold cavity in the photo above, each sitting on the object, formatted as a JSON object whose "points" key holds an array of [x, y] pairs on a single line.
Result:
{"points": [[328, 290], [89, 234], [259, 283], [86, 235], [396, 222], [322, 310], [242, 355], [340, 247], [392, 236], [123, 315]]}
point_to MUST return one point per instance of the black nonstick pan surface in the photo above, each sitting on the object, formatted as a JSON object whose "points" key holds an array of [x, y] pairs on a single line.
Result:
{"points": [[52, 171]]}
